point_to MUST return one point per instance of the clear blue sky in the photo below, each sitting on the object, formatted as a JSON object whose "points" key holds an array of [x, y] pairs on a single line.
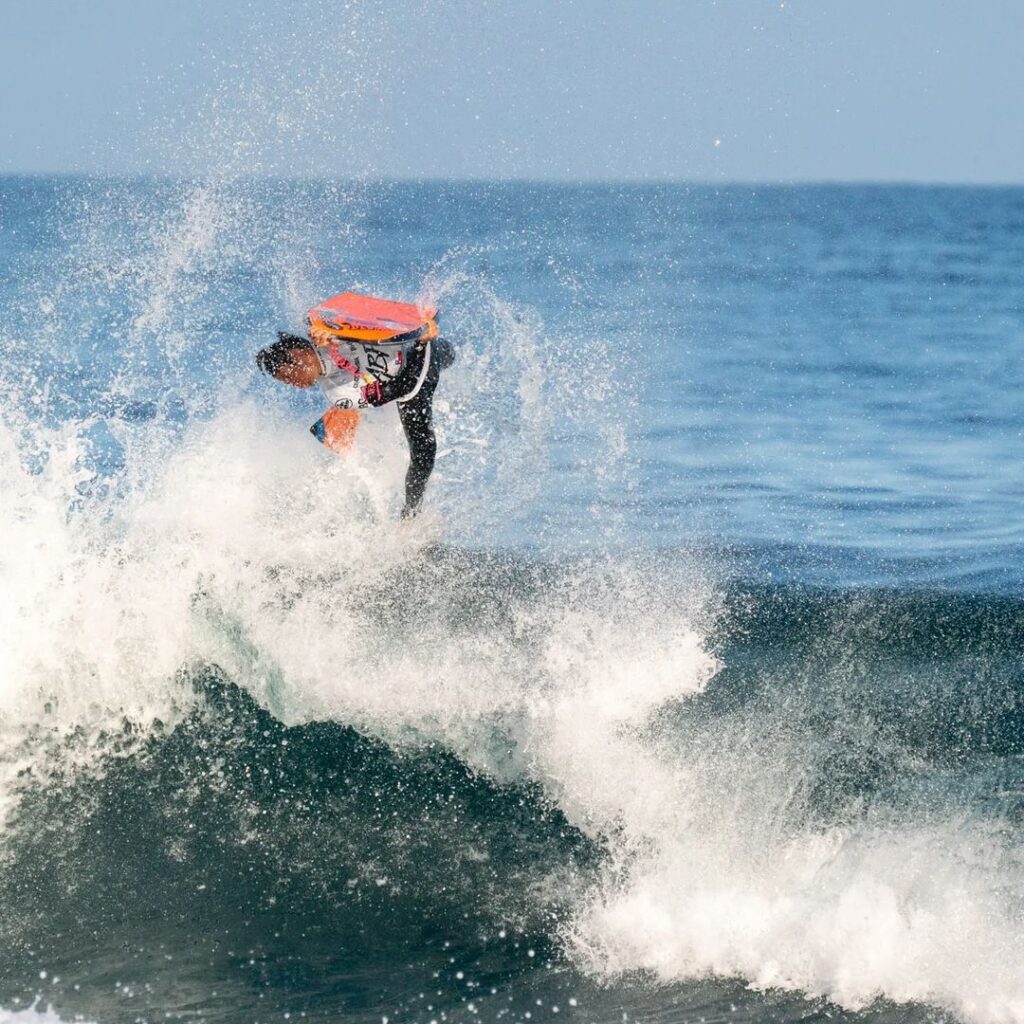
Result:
{"points": [[920, 90]]}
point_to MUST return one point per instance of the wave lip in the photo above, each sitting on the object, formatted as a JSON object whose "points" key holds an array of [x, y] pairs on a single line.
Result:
{"points": [[840, 811], [854, 918]]}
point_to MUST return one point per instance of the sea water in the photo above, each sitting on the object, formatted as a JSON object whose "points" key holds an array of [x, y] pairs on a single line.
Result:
{"points": [[695, 694]]}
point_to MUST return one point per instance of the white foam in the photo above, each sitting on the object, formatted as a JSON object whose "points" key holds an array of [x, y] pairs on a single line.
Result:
{"points": [[98, 607], [33, 1015], [853, 915]]}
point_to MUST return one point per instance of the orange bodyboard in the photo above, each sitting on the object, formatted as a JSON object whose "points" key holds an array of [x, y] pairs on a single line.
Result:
{"points": [[337, 428], [354, 317]]}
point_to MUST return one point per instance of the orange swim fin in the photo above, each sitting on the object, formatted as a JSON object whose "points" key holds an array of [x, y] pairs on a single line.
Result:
{"points": [[337, 428]]}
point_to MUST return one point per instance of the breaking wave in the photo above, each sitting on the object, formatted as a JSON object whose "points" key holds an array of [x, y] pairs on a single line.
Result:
{"points": [[257, 729]]}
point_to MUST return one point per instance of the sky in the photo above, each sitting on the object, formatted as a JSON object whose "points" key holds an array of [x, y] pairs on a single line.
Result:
{"points": [[564, 90]]}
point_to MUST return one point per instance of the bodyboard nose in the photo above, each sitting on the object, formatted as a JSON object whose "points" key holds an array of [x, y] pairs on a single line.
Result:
{"points": [[337, 428]]}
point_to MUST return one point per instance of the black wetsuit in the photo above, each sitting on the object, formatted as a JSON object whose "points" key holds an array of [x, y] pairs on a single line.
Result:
{"points": [[417, 415]]}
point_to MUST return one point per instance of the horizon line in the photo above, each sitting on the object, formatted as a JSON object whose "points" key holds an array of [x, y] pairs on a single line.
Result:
{"points": [[526, 181]]}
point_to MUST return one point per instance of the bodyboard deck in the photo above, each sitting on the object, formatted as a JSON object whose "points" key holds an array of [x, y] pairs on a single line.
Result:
{"points": [[366, 319]]}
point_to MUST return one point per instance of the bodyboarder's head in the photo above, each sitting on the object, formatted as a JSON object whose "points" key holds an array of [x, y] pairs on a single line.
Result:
{"points": [[291, 360]]}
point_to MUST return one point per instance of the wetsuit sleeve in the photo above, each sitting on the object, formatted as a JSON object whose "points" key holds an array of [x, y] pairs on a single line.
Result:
{"points": [[444, 353]]}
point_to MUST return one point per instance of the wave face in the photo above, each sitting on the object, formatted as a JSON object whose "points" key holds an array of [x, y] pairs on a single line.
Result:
{"points": [[265, 750]]}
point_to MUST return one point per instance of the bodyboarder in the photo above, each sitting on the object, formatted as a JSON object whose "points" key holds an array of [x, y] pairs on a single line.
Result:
{"points": [[365, 353]]}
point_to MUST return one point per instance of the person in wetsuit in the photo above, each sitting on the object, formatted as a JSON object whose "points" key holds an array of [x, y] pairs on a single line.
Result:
{"points": [[295, 360]]}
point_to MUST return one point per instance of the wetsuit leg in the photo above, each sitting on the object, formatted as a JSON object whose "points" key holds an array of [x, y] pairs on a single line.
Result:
{"points": [[417, 418], [417, 421]]}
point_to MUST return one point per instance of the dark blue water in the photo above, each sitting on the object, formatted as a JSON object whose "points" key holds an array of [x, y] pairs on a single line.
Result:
{"points": [[696, 694]]}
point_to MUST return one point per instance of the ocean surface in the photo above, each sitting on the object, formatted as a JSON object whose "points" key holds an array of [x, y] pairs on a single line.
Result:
{"points": [[696, 694]]}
